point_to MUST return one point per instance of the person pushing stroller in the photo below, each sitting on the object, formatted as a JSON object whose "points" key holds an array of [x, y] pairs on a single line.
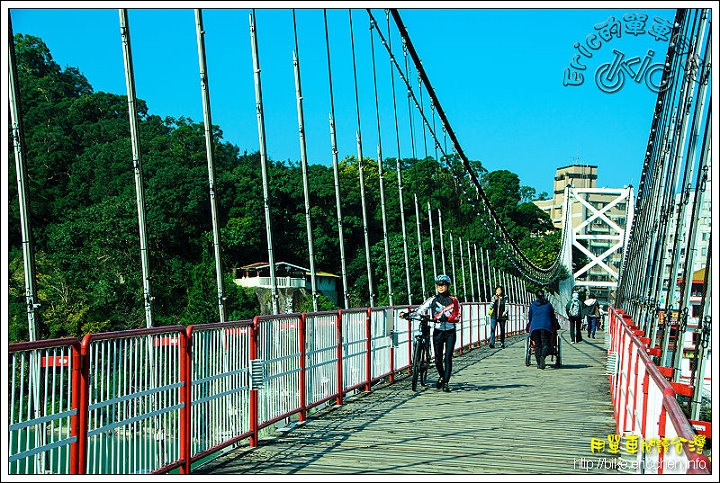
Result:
{"points": [[542, 326]]}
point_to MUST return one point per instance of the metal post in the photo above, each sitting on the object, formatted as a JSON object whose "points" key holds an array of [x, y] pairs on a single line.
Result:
{"points": [[432, 242], [420, 253], [486, 285], [303, 164], [137, 164], [21, 174], [477, 271], [263, 160], [384, 222], [470, 272], [205, 87], [452, 259], [442, 244], [336, 174], [358, 140], [462, 270]]}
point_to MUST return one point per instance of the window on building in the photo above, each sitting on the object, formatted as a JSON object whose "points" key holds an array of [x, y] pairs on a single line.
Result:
{"points": [[695, 310]]}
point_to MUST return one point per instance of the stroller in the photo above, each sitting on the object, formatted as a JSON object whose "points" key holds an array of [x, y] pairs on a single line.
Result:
{"points": [[555, 350]]}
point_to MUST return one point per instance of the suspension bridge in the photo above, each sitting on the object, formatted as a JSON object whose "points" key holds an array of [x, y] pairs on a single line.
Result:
{"points": [[327, 392]]}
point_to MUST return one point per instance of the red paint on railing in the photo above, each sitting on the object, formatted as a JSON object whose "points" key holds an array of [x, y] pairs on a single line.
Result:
{"points": [[185, 400], [54, 361], [368, 348], [670, 409]]}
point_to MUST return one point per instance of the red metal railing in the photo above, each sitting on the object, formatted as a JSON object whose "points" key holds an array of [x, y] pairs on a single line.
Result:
{"points": [[646, 408]]}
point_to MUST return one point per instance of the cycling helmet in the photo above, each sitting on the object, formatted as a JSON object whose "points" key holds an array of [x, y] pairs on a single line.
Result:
{"points": [[442, 279]]}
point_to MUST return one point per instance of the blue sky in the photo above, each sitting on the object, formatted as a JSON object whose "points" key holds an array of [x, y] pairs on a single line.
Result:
{"points": [[498, 74]]}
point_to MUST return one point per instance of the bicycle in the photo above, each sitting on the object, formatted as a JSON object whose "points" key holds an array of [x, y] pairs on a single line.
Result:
{"points": [[421, 349]]}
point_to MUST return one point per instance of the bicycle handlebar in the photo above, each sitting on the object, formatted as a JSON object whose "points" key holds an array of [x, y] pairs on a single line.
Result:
{"points": [[416, 316]]}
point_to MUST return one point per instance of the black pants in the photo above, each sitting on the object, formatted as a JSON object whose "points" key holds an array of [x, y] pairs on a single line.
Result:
{"points": [[576, 329], [444, 345], [543, 345]]}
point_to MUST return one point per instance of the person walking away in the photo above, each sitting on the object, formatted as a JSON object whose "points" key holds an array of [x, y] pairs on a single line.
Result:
{"points": [[573, 310], [591, 310], [542, 325], [601, 320], [445, 312], [499, 316]]}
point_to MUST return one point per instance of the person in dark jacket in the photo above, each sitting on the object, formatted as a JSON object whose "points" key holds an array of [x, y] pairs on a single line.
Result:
{"points": [[499, 316], [542, 325], [591, 310], [445, 312]]}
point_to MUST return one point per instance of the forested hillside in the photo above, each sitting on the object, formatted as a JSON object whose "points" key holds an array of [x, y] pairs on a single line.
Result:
{"points": [[84, 222]]}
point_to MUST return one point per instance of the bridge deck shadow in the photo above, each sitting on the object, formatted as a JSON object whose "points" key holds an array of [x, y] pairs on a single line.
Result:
{"points": [[501, 417]]}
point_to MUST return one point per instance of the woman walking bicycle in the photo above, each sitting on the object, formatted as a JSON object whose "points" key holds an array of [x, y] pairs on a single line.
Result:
{"points": [[444, 310]]}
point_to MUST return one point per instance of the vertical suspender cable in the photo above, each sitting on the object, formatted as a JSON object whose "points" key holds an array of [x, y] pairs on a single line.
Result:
{"points": [[486, 284], [263, 160], [547, 273], [336, 174], [698, 199], [205, 87], [303, 163], [680, 161], [398, 167], [432, 241], [442, 240], [702, 336], [137, 164], [491, 272], [452, 258], [358, 136], [470, 273], [462, 270], [422, 105], [410, 114], [381, 176], [18, 137], [477, 271], [656, 207], [420, 251], [28, 252]]}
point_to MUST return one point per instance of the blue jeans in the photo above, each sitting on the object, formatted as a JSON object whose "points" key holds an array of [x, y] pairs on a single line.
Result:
{"points": [[493, 324], [592, 326]]}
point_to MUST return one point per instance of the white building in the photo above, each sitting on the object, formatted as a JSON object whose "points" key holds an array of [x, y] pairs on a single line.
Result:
{"points": [[287, 276]]}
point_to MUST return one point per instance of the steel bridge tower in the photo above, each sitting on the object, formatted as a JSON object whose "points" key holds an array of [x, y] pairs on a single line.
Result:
{"points": [[596, 222]]}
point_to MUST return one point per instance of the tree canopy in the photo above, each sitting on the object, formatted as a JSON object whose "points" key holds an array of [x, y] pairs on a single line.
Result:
{"points": [[84, 222]]}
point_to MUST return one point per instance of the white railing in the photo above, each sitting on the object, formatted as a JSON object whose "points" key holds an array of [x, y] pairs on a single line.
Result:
{"points": [[163, 399]]}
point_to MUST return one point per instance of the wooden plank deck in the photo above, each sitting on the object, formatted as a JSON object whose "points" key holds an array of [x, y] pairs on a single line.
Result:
{"points": [[501, 417]]}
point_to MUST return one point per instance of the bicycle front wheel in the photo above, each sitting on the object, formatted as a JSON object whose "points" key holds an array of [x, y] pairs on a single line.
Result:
{"points": [[416, 364], [425, 363]]}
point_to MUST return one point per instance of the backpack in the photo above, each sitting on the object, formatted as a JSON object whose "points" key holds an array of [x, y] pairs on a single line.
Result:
{"points": [[574, 310]]}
